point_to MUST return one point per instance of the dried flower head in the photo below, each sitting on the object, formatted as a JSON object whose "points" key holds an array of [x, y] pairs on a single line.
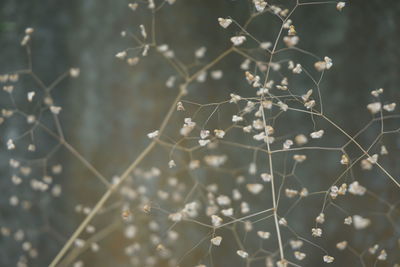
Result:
{"points": [[216, 241], [238, 40], [224, 22], [328, 259], [242, 253], [340, 5]]}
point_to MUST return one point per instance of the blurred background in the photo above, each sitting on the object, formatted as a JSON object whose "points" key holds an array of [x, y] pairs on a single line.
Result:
{"points": [[108, 110]]}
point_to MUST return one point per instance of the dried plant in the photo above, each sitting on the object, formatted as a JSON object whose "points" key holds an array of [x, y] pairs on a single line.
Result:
{"points": [[240, 180]]}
